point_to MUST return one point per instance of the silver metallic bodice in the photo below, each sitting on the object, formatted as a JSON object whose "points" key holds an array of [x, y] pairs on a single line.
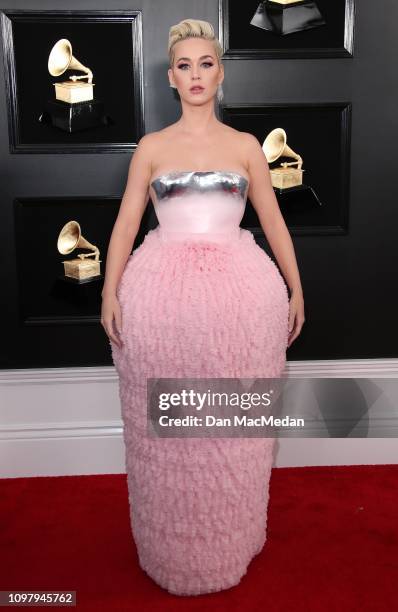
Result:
{"points": [[193, 203], [183, 182]]}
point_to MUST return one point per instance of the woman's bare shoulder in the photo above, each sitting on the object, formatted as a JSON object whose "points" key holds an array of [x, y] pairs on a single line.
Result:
{"points": [[245, 137], [147, 145], [148, 139], [240, 138], [154, 145], [156, 136]]}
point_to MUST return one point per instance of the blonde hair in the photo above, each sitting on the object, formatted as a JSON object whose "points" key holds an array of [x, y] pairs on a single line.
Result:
{"points": [[189, 28]]}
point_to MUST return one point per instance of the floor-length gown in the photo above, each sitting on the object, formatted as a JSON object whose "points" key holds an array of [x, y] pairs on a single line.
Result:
{"points": [[199, 298]]}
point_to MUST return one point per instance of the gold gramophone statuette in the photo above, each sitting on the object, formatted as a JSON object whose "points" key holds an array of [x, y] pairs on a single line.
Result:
{"points": [[82, 267], [283, 176], [74, 90]]}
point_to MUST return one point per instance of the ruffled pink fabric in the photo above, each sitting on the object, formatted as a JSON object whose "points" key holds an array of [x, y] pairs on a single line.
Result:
{"points": [[197, 308]]}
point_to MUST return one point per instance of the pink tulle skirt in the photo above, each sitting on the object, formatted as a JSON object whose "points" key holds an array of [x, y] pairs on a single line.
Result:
{"points": [[197, 307]]}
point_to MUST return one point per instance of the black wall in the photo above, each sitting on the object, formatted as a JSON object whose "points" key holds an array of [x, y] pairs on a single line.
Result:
{"points": [[348, 281]]}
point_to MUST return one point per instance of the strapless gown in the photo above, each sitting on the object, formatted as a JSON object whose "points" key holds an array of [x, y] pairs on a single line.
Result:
{"points": [[199, 298]]}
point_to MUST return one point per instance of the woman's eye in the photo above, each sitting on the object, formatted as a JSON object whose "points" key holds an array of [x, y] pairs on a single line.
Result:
{"points": [[204, 64]]}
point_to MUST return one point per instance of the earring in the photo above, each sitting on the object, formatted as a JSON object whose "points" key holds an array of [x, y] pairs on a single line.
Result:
{"points": [[220, 93], [171, 85]]}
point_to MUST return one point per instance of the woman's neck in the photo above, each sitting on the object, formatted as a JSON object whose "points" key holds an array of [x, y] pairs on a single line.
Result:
{"points": [[197, 120]]}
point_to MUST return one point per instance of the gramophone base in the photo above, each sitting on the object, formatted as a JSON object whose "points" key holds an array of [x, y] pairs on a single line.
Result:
{"points": [[74, 117], [297, 199], [284, 178], [287, 19], [80, 281], [82, 269], [75, 299]]}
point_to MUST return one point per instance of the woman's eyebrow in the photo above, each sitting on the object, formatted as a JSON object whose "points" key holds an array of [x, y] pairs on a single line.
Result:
{"points": [[188, 58]]}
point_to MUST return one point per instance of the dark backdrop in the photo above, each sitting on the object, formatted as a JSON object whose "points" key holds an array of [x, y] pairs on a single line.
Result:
{"points": [[349, 280]]}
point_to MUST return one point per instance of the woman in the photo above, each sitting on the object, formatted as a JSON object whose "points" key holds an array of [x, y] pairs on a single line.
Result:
{"points": [[198, 298]]}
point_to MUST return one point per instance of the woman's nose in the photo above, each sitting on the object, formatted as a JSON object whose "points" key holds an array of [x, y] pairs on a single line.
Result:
{"points": [[195, 72]]}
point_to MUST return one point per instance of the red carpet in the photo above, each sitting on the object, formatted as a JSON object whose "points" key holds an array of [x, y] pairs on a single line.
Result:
{"points": [[332, 544]]}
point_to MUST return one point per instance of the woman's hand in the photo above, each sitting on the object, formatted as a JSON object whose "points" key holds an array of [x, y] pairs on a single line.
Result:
{"points": [[110, 312], [296, 315]]}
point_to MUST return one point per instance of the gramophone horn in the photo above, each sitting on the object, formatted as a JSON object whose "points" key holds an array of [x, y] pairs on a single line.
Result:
{"points": [[61, 59], [275, 146], [70, 238]]}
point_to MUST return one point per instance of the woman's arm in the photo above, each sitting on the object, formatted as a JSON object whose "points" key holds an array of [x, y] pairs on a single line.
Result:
{"points": [[132, 207], [262, 196], [134, 201]]}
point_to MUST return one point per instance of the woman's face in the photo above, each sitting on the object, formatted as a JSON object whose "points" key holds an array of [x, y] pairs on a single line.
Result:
{"points": [[196, 65]]}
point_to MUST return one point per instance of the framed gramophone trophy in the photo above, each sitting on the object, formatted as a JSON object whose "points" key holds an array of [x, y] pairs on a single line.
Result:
{"points": [[308, 161], [287, 176], [84, 268], [61, 246], [287, 16], [74, 80], [74, 107], [286, 28]]}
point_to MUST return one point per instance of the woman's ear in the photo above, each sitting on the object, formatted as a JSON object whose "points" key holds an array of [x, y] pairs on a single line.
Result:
{"points": [[222, 72], [170, 75]]}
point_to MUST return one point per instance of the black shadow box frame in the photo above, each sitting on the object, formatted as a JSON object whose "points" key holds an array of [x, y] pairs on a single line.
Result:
{"points": [[44, 297], [321, 134], [107, 42], [241, 40]]}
